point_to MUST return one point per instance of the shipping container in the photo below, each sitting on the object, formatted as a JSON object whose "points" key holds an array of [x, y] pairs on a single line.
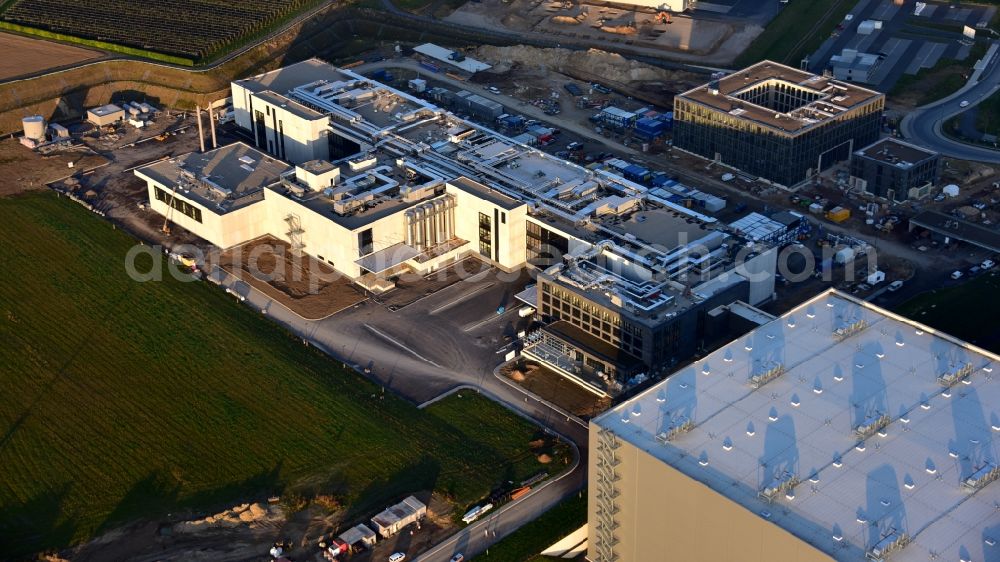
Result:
{"points": [[637, 173], [838, 214], [650, 128]]}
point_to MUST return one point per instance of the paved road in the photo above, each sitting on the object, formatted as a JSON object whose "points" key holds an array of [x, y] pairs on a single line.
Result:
{"points": [[448, 339], [923, 126]]}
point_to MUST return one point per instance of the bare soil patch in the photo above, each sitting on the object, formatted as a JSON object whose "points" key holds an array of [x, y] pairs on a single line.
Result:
{"points": [[307, 286], [553, 387], [23, 169], [20, 56]]}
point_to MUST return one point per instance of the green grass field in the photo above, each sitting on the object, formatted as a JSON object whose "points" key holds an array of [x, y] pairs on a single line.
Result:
{"points": [[988, 115], [967, 311], [524, 544], [125, 400], [797, 31]]}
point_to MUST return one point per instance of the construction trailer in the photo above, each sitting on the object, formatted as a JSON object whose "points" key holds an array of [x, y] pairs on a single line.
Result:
{"points": [[359, 537], [390, 521]]}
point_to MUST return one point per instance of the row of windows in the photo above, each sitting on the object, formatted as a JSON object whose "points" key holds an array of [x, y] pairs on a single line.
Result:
{"points": [[485, 235], [178, 205]]}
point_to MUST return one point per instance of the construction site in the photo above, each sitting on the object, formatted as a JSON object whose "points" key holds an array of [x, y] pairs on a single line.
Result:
{"points": [[709, 40]]}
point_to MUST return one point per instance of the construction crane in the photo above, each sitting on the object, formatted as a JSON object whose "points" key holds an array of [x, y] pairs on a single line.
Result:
{"points": [[664, 18]]}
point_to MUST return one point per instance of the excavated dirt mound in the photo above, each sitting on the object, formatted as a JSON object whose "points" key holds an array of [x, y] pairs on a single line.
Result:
{"points": [[611, 66]]}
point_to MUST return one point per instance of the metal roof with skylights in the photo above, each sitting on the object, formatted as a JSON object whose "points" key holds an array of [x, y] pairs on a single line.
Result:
{"points": [[859, 431]]}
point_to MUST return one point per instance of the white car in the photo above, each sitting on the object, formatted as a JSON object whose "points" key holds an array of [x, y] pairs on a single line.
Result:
{"points": [[397, 557], [965, 103], [494, 89], [457, 558], [987, 264], [956, 274], [895, 285]]}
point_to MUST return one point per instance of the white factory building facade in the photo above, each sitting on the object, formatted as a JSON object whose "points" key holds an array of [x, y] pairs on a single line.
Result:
{"points": [[376, 182]]}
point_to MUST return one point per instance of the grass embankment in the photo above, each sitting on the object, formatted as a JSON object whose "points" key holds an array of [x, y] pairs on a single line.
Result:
{"points": [[967, 312], [524, 544], [797, 31], [988, 115], [125, 400], [943, 79]]}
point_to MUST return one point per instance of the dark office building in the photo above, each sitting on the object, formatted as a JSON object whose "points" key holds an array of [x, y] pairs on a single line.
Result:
{"points": [[776, 122], [895, 170], [620, 340]]}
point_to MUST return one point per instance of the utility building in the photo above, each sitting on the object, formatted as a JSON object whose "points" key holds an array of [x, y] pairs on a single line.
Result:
{"points": [[393, 519], [776, 122], [895, 170], [838, 431]]}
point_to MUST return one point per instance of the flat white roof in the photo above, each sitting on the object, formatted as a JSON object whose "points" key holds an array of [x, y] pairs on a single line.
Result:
{"points": [[442, 54], [853, 489], [108, 109], [756, 226]]}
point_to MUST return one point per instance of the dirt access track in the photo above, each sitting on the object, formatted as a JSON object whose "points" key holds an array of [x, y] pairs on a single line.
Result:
{"points": [[304, 285], [21, 56]]}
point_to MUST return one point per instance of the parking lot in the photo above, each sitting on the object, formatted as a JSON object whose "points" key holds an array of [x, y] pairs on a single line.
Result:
{"points": [[906, 42]]}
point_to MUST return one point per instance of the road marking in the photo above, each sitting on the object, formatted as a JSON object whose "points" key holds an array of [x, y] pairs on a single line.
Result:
{"points": [[393, 341], [488, 319], [461, 298]]}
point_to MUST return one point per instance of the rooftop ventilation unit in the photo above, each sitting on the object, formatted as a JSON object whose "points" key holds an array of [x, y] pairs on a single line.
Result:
{"points": [[847, 331], [982, 476], [782, 483], [760, 379], [677, 427], [951, 378], [890, 542], [872, 423]]}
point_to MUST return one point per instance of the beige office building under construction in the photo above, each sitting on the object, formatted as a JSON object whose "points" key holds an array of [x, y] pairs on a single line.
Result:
{"points": [[838, 431]]}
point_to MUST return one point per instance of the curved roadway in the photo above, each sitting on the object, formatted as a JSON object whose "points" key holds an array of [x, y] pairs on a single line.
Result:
{"points": [[923, 126], [422, 352]]}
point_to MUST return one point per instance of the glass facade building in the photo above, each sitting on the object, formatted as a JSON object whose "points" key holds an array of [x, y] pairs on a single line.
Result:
{"points": [[776, 122]]}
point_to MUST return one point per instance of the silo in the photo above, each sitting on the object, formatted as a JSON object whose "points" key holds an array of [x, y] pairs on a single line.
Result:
{"points": [[34, 127]]}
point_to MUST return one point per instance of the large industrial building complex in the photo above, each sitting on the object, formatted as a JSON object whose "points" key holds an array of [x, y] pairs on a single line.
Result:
{"points": [[376, 182], [838, 431], [777, 123]]}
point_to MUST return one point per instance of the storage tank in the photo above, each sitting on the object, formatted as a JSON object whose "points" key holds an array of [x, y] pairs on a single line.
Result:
{"points": [[34, 127]]}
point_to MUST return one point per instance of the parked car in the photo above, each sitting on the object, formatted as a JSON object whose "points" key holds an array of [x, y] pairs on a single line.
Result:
{"points": [[987, 264], [974, 270], [457, 558], [895, 286], [494, 90], [397, 557], [956, 274]]}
